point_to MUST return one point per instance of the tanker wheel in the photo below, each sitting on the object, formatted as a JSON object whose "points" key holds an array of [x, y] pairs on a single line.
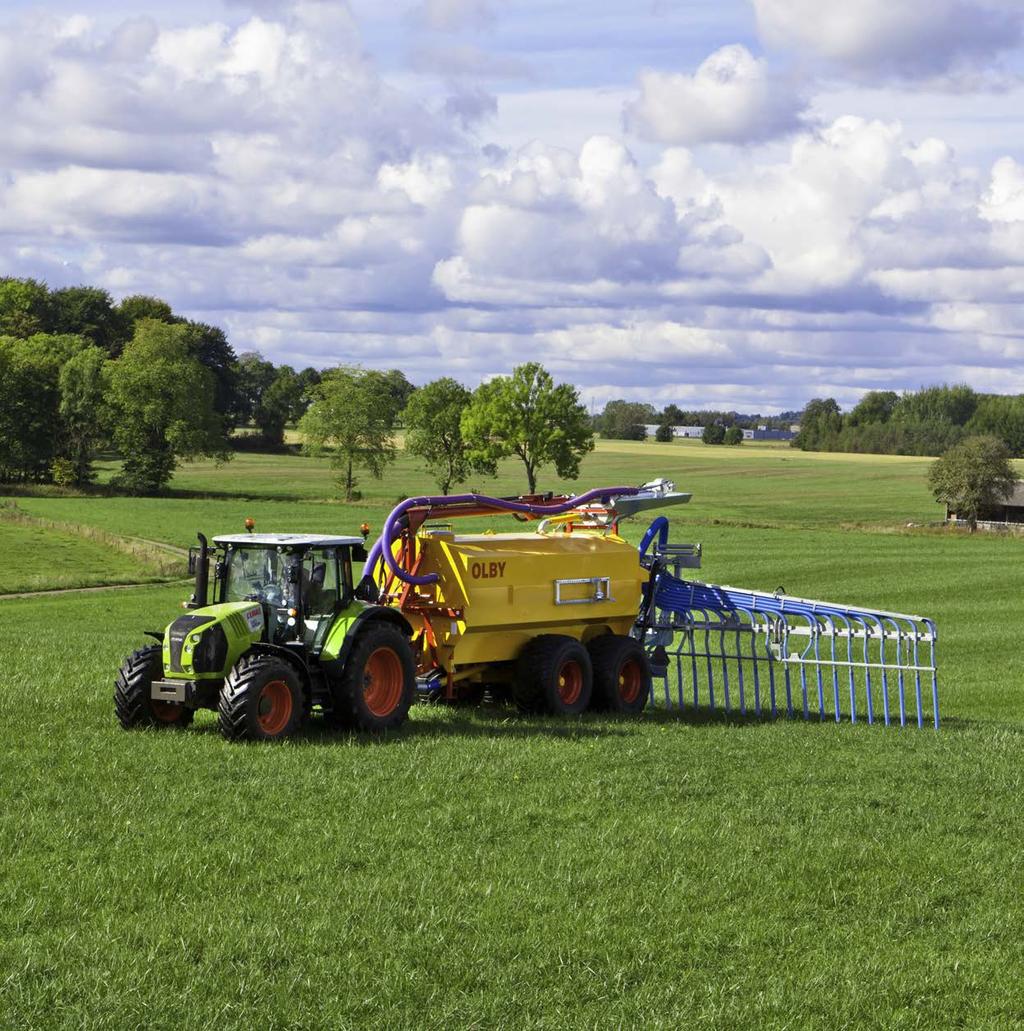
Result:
{"points": [[379, 683], [133, 700], [622, 674], [263, 699], [553, 675]]}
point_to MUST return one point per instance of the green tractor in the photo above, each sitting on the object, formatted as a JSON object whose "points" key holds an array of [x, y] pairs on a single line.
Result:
{"points": [[286, 632]]}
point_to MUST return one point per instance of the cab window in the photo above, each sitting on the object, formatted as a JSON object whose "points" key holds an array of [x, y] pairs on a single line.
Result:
{"points": [[321, 589]]}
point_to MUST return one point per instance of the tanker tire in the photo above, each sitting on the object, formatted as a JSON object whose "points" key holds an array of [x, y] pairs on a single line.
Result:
{"points": [[378, 685], [133, 701], [622, 674], [553, 675], [263, 699]]}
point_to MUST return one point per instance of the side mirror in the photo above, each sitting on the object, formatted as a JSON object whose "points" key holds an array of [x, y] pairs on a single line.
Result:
{"points": [[193, 561], [359, 552]]}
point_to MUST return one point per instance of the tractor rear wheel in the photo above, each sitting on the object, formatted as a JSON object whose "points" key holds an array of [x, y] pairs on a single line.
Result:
{"points": [[553, 675], [622, 674], [133, 693], [378, 685], [263, 699]]}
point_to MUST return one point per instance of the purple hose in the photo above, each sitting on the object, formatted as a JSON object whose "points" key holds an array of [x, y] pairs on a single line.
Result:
{"points": [[382, 549]]}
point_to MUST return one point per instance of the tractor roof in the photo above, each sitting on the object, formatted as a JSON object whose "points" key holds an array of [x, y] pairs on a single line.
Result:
{"points": [[286, 540]]}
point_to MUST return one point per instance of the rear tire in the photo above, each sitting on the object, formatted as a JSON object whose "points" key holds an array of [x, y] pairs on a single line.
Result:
{"points": [[622, 674], [378, 685], [133, 699], [553, 675], [263, 699]]}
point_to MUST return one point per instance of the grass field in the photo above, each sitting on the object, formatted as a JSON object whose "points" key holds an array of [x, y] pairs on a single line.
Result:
{"points": [[481, 869], [38, 559]]}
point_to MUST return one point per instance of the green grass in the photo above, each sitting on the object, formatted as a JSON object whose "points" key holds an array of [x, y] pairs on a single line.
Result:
{"points": [[761, 486], [482, 869], [39, 559]]}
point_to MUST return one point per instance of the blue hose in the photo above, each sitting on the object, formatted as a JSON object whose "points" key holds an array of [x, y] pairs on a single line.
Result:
{"points": [[660, 528]]}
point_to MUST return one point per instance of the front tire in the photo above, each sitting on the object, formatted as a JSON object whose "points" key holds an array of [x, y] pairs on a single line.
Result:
{"points": [[378, 685], [553, 675], [263, 699], [133, 693]]}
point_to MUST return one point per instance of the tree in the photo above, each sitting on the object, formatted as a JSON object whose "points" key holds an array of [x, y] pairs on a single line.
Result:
{"points": [[81, 415], [253, 375], [713, 434], [276, 405], [663, 434], [433, 430], [89, 312], [351, 419], [141, 306], [1003, 417], [673, 415], [399, 389], [733, 436], [25, 307], [528, 415], [161, 400], [819, 425], [973, 476], [210, 345], [943, 404], [625, 420], [308, 378], [30, 423], [874, 407]]}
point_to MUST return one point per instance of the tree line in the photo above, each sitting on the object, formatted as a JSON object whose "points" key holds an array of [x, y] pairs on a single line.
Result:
{"points": [[924, 422], [81, 375]]}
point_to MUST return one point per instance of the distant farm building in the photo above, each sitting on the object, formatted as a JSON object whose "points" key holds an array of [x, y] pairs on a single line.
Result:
{"points": [[697, 432], [1010, 513]]}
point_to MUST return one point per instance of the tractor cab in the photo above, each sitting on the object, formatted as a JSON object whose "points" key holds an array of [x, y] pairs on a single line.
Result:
{"points": [[300, 581]]}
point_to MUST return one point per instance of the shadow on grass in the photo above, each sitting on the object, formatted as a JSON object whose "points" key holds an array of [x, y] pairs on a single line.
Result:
{"points": [[494, 720]]}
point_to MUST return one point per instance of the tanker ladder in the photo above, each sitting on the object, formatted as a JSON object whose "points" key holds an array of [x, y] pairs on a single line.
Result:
{"points": [[756, 653]]}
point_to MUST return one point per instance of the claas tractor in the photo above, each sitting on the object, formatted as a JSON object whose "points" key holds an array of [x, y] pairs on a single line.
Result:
{"points": [[278, 632]]}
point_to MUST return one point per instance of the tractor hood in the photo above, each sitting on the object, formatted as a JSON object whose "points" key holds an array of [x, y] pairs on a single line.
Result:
{"points": [[207, 642]]}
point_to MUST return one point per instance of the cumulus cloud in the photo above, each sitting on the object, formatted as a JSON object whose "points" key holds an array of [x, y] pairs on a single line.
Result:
{"points": [[731, 98], [262, 173], [910, 39]]}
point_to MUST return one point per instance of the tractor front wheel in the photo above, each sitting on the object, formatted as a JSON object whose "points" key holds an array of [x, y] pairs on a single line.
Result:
{"points": [[133, 693], [263, 699], [622, 674], [379, 682], [553, 674]]}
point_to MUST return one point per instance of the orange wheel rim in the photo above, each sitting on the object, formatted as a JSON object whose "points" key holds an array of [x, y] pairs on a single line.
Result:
{"points": [[275, 707], [570, 682], [167, 712], [631, 681], [383, 680]]}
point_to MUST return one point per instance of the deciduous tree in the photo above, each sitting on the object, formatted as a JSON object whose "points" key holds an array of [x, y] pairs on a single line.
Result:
{"points": [[530, 416], [352, 418], [433, 430], [161, 400], [973, 476]]}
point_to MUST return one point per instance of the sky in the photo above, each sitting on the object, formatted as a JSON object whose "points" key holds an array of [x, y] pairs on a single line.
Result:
{"points": [[715, 203]]}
